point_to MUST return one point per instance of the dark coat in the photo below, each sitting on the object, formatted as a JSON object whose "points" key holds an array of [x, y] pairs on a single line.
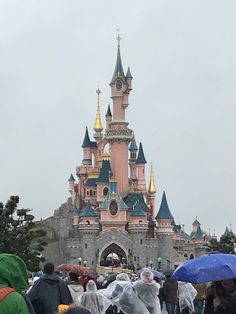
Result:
{"points": [[170, 288], [47, 293], [227, 299]]}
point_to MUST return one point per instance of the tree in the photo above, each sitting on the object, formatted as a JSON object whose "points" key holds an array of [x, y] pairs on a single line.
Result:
{"points": [[19, 234], [225, 245]]}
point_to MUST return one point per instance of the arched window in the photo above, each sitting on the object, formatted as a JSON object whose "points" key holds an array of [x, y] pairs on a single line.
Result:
{"points": [[105, 191], [191, 256], [91, 192], [186, 256]]}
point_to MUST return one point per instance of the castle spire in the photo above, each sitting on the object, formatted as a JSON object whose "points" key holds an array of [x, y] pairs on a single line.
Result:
{"points": [[141, 158], [164, 211], [152, 187], [86, 142], [108, 114], [119, 72], [98, 122]]}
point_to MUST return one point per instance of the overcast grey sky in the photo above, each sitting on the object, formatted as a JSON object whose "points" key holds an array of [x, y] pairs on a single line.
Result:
{"points": [[182, 55]]}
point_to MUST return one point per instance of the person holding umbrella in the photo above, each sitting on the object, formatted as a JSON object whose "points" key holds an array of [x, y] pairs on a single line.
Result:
{"points": [[221, 297]]}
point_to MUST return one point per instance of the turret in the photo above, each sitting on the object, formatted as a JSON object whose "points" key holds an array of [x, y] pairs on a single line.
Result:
{"points": [[71, 181], [164, 216], [118, 135], [132, 160], [129, 78], [98, 122], [140, 164], [88, 146], [152, 191], [108, 117]]}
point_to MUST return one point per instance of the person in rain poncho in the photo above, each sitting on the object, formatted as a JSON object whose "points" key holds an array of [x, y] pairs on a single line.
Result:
{"points": [[186, 294], [147, 289], [115, 288], [129, 302], [13, 281], [93, 301], [74, 286]]}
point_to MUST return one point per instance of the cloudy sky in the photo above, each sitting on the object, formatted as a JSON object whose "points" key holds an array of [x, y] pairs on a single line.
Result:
{"points": [[182, 55]]}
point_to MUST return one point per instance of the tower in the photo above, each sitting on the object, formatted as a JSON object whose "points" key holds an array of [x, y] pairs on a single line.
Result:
{"points": [[118, 134], [140, 164], [132, 160]]}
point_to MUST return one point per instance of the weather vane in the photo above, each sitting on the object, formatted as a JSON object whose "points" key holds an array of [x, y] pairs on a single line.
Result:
{"points": [[98, 93], [118, 36]]}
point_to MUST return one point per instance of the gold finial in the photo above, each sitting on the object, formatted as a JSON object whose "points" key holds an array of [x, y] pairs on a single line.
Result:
{"points": [[98, 122], [118, 36], [152, 186], [106, 156]]}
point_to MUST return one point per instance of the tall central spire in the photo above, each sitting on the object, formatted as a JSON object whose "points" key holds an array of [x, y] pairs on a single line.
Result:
{"points": [[119, 72], [98, 122]]}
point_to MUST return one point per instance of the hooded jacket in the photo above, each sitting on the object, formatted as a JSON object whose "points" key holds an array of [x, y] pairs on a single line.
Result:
{"points": [[47, 293], [13, 274], [76, 290]]}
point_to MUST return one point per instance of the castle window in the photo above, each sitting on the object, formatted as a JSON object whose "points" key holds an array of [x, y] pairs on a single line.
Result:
{"points": [[87, 222], [85, 245], [92, 263], [140, 221], [135, 258], [87, 193], [94, 192], [141, 241], [91, 192], [105, 191]]}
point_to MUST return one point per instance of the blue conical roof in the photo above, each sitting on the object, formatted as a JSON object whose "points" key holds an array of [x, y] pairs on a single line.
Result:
{"points": [[164, 211], [105, 171], [75, 212], [133, 146], [87, 142], [118, 68], [137, 211], [198, 234], [128, 75], [141, 158], [88, 211], [71, 178], [109, 114]]}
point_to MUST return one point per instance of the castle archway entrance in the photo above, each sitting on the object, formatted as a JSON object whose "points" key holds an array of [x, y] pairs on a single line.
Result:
{"points": [[113, 255]]}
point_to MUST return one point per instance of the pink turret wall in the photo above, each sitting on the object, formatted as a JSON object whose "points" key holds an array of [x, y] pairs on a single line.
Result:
{"points": [[141, 178], [119, 164], [118, 109]]}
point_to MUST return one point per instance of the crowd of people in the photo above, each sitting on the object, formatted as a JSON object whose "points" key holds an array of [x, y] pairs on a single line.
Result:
{"points": [[121, 293]]}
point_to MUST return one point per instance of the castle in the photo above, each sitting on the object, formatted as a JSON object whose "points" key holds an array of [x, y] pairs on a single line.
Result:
{"points": [[111, 208]]}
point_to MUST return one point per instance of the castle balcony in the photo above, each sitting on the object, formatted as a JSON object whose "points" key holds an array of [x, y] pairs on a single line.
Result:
{"points": [[141, 227], [119, 135], [87, 227]]}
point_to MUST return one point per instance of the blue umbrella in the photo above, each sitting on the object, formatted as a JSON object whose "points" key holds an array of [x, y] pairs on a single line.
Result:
{"points": [[211, 267]]}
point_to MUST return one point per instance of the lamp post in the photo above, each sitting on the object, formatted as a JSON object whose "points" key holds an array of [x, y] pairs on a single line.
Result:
{"points": [[159, 260], [80, 260], [151, 263], [85, 263]]}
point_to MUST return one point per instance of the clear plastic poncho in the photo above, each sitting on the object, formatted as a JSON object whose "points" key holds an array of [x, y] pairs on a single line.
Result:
{"points": [[129, 302], [148, 289], [115, 288], [186, 294], [93, 301]]}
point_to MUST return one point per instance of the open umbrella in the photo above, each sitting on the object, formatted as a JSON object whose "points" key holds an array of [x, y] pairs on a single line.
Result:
{"points": [[75, 268], [210, 267]]}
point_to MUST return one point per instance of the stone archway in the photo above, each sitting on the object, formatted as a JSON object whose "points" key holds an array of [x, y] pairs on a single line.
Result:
{"points": [[110, 248]]}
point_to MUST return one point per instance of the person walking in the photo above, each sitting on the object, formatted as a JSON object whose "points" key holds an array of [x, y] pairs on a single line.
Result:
{"points": [[48, 292], [147, 290], [75, 288], [221, 297], [13, 281], [170, 288], [200, 297]]}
